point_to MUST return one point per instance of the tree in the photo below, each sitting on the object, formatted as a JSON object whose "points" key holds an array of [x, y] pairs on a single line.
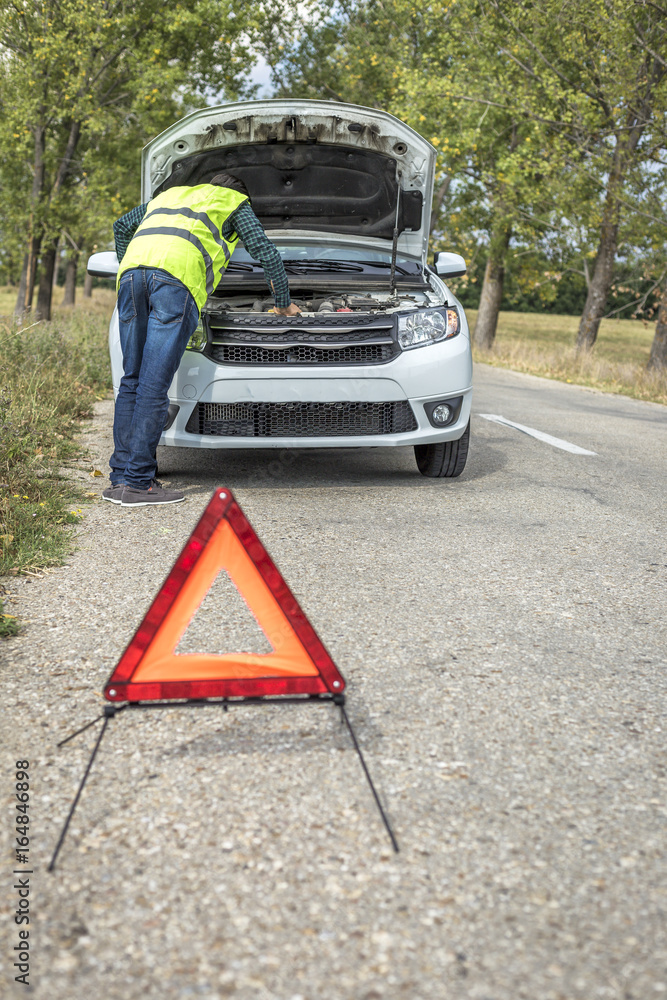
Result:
{"points": [[598, 75], [497, 170], [77, 74]]}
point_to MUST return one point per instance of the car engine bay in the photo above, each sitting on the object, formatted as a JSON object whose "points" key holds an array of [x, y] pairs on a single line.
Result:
{"points": [[322, 302]]}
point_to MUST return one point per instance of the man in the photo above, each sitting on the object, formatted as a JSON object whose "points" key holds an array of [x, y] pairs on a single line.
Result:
{"points": [[172, 252]]}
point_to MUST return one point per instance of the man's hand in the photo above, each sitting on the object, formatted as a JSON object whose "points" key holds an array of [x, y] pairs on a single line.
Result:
{"points": [[290, 310]]}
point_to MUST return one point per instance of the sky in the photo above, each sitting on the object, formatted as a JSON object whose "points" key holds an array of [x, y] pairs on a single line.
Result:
{"points": [[261, 74]]}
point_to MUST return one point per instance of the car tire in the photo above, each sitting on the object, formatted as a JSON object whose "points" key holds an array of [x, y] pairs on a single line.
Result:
{"points": [[447, 459]]}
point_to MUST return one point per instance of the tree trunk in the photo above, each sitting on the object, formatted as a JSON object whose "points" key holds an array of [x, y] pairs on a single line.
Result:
{"points": [[69, 298], [658, 359], [492, 290], [28, 276], [438, 199], [19, 308], [88, 286], [45, 293], [27, 283], [33, 259], [603, 274], [48, 258]]}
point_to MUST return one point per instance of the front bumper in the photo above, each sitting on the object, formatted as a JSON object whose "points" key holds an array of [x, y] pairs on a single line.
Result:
{"points": [[425, 375]]}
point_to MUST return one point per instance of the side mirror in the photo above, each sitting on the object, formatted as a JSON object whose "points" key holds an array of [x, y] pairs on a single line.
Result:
{"points": [[449, 265], [103, 264]]}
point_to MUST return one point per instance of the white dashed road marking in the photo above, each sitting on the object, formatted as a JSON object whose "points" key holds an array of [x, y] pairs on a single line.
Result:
{"points": [[540, 435]]}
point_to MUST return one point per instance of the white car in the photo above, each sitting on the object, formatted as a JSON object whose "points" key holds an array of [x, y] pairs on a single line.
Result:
{"points": [[380, 355]]}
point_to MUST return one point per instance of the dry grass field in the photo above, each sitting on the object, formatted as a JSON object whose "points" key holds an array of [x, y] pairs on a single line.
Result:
{"points": [[102, 302], [542, 344]]}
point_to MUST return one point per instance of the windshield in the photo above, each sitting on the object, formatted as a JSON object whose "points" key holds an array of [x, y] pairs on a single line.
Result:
{"points": [[309, 258]]}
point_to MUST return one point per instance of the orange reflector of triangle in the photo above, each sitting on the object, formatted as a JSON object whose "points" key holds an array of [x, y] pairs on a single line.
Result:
{"points": [[150, 669]]}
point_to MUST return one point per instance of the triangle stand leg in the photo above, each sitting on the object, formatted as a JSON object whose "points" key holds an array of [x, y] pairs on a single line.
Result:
{"points": [[344, 717], [79, 731], [109, 713]]}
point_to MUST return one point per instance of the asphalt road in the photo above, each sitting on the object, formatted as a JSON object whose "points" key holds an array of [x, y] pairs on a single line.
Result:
{"points": [[503, 640]]}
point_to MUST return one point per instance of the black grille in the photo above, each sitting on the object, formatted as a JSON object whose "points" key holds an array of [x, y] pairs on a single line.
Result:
{"points": [[270, 420], [302, 354], [224, 320]]}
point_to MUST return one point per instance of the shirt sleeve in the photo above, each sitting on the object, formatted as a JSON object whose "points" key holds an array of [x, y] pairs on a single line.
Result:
{"points": [[125, 228], [251, 232]]}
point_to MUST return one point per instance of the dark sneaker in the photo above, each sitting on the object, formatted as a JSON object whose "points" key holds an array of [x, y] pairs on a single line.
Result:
{"points": [[155, 493], [114, 493]]}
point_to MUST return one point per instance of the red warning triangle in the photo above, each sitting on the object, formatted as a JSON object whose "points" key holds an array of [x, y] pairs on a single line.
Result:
{"points": [[151, 670]]}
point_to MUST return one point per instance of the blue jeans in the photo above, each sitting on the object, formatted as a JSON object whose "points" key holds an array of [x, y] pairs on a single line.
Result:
{"points": [[157, 315]]}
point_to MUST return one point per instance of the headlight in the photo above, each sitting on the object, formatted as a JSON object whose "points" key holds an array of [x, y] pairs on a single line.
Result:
{"points": [[197, 341], [427, 327]]}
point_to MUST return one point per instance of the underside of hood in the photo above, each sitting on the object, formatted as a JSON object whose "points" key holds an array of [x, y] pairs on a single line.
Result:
{"points": [[319, 188], [308, 165]]}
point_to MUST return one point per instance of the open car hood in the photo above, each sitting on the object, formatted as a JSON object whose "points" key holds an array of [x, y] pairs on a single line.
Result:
{"points": [[319, 166]]}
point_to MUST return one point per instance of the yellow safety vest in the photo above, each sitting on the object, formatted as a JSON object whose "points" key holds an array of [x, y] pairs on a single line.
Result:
{"points": [[181, 234]]}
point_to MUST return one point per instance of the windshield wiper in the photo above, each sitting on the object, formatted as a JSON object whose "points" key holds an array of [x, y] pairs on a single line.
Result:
{"points": [[344, 265], [320, 265], [295, 264], [236, 265]]}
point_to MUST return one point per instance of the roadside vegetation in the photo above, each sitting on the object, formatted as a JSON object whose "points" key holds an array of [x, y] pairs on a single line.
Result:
{"points": [[543, 344], [8, 624], [51, 373]]}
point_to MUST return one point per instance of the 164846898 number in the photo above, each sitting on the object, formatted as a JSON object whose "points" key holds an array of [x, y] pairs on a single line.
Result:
{"points": [[22, 811]]}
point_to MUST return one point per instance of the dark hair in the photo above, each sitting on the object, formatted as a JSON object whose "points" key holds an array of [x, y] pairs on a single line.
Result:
{"points": [[229, 181]]}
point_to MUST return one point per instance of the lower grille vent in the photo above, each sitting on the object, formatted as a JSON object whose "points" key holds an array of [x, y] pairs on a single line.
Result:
{"points": [[271, 420]]}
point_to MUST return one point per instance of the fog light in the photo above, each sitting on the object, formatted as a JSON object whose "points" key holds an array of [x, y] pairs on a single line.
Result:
{"points": [[441, 413]]}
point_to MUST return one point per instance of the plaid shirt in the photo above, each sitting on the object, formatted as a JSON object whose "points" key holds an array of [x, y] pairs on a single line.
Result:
{"points": [[243, 222]]}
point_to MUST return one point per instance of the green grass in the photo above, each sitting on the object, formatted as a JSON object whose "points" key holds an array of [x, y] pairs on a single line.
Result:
{"points": [[50, 375], [8, 624], [542, 344]]}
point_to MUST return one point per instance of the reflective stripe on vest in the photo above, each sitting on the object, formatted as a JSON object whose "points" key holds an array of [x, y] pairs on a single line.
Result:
{"points": [[202, 216], [193, 248], [185, 235]]}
